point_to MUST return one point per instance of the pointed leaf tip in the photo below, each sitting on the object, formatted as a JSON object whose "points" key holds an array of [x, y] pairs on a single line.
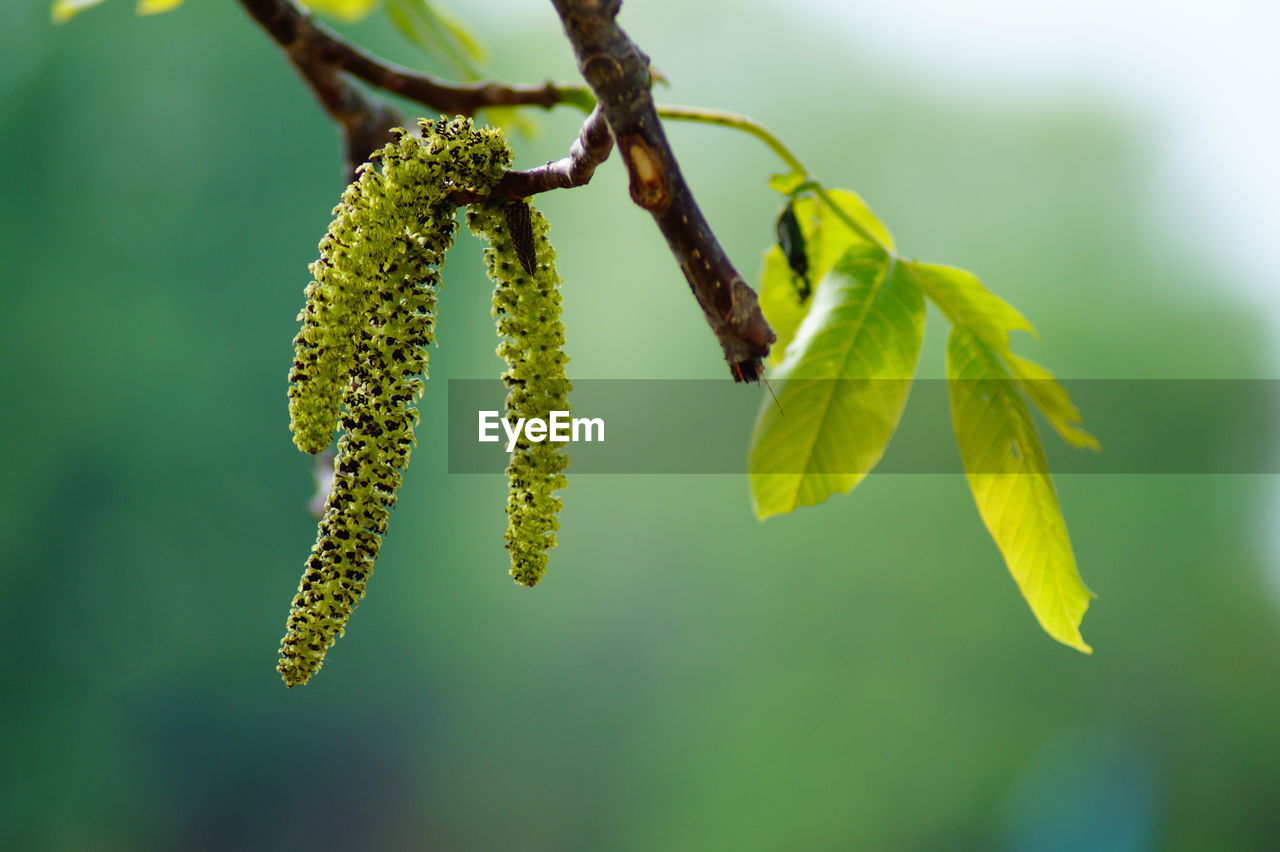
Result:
{"points": [[1007, 472]]}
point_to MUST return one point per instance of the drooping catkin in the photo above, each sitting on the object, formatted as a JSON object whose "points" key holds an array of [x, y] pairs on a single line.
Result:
{"points": [[526, 303], [362, 357], [383, 216]]}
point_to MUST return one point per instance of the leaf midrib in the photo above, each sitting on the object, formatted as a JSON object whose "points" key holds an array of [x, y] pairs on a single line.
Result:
{"points": [[1013, 414], [859, 324]]}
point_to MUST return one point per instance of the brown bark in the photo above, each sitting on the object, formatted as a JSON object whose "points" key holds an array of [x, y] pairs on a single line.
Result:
{"points": [[590, 149], [319, 55], [619, 74]]}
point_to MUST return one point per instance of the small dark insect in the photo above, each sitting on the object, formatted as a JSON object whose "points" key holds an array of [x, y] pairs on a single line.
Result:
{"points": [[521, 228], [791, 241]]}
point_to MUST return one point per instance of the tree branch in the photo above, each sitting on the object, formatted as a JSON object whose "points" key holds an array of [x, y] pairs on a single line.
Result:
{"points": [[319, 55], [300, 36], [590, 149], [365, 123], [619, 74]]}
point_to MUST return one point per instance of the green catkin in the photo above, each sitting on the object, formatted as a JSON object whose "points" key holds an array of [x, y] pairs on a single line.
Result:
{"points": [[387, 210], [361, 358], [526, 303]]}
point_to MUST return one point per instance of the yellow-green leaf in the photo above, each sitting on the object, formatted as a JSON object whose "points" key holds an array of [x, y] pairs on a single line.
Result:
{"points": [[1052, 400], [156, 7], [1007, 472], [966, 302], [64, 10], [343, 10], [970, 305], [787, 183], [459, 33], [827, 237], [842, 387], [783, 302], [439, 35]]}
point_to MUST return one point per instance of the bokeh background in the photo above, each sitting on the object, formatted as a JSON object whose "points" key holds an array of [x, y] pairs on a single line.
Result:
{"points": [[858, 675]]}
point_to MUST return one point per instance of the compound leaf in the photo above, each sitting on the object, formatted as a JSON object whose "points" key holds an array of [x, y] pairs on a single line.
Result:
{"points": [[971, 306]]}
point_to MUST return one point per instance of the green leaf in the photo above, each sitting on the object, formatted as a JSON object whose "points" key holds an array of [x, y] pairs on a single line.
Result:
{"points": [[967, 303], [64, 10], [457, 32], [443, 37], [157, 7], [1007, 472], [843, 385], [827, 237], [344, 10], [1003, 457], [439, 35], [787, 183], [402, 17], [971, 306], [783, 304], [1052, 400]]}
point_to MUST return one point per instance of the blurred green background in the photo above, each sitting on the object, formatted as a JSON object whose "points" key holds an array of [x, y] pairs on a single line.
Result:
{"points": [[858, 675]]}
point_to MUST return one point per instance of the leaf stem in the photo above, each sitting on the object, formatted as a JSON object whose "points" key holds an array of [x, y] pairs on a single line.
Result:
{"points": [[723, 118]]}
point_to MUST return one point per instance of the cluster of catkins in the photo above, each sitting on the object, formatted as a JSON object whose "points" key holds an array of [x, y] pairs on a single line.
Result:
{"points": [[361, 358]]}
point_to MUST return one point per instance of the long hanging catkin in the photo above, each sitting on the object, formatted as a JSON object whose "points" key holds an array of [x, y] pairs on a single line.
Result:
{"points": [[361, 357], [526, 302]]}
